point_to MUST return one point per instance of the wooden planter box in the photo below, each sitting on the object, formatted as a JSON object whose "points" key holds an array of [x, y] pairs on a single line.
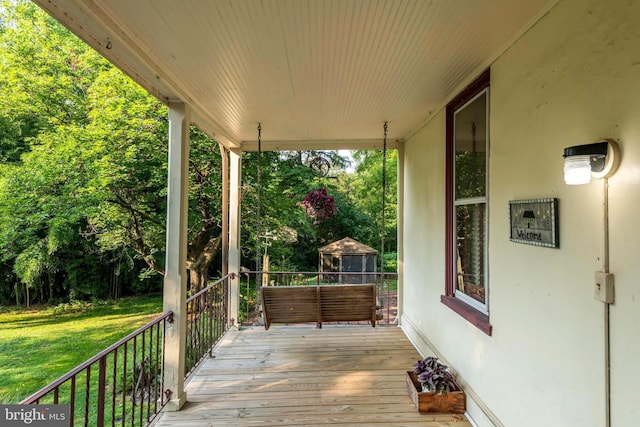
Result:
{"points": [[450, 403]]}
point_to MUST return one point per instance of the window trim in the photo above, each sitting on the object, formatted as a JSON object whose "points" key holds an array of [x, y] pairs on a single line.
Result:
{"points": [[476, 317]]}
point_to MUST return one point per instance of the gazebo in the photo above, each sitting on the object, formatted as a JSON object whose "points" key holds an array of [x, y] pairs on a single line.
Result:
{"points": [[348, 256]]}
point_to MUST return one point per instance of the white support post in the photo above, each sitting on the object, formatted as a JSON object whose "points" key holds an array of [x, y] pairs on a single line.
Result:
{"points": [[175, 278], [235, 196], [400, 217]]}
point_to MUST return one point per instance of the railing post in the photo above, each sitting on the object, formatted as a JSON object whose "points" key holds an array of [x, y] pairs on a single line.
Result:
{"points": [[102, 379], [175, 279]]}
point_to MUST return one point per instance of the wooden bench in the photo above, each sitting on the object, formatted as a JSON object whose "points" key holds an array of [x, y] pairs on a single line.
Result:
{"points": [[324, 303]]}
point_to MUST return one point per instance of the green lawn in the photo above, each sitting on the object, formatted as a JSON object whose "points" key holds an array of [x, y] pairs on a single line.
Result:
{"points": [[38, 346]]}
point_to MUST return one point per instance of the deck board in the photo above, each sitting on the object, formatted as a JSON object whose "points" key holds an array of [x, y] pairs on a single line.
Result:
{"points": [[304, 376]]}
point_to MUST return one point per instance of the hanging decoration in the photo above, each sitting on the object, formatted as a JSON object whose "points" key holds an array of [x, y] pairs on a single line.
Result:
{"points": [[319, 204], [320, 165]]}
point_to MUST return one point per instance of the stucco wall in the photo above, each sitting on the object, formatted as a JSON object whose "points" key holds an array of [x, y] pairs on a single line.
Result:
{"points": [[571, 79]]}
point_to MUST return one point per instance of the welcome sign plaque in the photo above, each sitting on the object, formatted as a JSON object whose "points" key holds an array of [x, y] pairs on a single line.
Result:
{"points": [[534, 222]]}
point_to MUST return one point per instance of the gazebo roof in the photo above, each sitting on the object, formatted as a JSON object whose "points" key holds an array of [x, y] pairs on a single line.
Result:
{"points": [[347, 246]]}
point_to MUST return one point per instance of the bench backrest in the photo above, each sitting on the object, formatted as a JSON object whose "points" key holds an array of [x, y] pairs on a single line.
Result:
{"points": [[324, 303]]}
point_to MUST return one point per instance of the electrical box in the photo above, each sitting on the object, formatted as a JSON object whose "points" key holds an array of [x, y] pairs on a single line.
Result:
{"points": [[604, 290]]}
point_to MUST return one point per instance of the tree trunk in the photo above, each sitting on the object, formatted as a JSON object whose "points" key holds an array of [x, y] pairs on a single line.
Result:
{"points": [[199, 258], [198, 279]]}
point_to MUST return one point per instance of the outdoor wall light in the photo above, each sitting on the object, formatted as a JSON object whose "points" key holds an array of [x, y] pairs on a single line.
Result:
{"points": [[597, 160]]}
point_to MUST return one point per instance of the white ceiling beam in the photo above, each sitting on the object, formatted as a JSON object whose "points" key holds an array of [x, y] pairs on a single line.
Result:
{"points": [[359, 144]]}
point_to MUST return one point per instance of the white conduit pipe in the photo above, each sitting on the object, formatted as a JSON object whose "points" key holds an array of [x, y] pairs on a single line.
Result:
{"points": [[607, 340]]}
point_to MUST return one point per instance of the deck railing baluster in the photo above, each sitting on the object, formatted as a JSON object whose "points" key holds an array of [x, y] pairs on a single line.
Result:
{"points": [[134, 380], [87, 393], [150, 378], [102, 379], [164, 342], [155, 371], [114, 380], [124, 381], [72, 400], [143, 377]]}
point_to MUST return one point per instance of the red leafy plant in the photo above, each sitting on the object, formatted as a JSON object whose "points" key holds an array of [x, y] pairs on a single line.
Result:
{"points": [[319, 204]]}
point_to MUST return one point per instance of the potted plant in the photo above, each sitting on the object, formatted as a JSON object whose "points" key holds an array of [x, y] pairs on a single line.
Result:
{"points": [[433, 388]]}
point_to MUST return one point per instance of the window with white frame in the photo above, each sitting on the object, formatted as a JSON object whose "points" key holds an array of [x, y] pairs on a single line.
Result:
{"points": [[470, 140]]}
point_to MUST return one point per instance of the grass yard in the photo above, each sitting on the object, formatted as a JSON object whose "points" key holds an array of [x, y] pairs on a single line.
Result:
{"points": [[38, 346]]}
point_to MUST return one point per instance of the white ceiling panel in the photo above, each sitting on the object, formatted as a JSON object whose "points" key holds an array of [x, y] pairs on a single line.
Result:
{"points": [[315, 73]]}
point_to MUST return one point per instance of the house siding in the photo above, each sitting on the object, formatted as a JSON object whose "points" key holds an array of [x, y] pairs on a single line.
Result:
{"points": [[573, 78]]}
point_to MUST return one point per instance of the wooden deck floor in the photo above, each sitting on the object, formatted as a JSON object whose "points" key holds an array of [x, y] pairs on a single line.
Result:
{"points": [[303, 376]]}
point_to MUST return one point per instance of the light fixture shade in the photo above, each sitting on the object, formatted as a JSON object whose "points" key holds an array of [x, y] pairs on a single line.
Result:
{"points": [[597, 160], [577, 169]]}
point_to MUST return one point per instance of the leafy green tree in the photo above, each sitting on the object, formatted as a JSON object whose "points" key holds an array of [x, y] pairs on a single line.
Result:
{"points": [[128, 167], [129, 130], [286, 180], [85, 187], [365, 187], [42, 209], [44, 76]]}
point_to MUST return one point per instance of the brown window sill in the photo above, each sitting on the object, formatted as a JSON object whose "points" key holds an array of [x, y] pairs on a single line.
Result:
{"points": [[473, 316]]}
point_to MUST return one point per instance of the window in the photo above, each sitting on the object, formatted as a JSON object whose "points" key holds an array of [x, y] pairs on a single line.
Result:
{"points": [[467, 160]]}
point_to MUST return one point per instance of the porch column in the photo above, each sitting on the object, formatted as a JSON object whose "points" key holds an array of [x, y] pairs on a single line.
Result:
{"points": [[175, 278], [235, 196], [224, 154], [400, 231]]}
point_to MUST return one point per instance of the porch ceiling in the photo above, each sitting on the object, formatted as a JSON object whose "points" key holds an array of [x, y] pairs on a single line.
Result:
{"points": [[316, 74]]}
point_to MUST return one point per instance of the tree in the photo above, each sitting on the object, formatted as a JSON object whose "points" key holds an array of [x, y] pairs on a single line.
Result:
{"points": [[131, 129], [286, 181], [84, 165], [42, 209], [365, 187], [44, 76]]}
